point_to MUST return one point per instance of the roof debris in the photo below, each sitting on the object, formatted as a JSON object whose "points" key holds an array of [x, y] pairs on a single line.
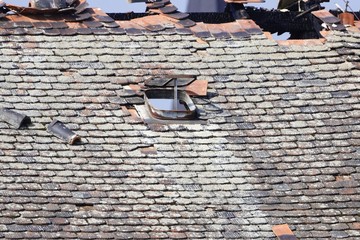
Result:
{"points": [[61, 131], [331, 22]]}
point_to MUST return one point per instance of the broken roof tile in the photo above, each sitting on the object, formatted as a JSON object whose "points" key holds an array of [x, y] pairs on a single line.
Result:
{"points": [[326, 16], [148, 25], [101, 16]]}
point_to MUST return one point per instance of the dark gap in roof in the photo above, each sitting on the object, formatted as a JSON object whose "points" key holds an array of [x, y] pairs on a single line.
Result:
{"points": [[84, 204], [274, 21]]}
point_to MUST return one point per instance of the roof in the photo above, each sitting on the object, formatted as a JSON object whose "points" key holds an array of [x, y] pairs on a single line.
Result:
{"points": [[277, 140]]}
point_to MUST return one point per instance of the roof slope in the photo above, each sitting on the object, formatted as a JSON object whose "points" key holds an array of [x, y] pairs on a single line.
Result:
{"points": [[280, 142]]}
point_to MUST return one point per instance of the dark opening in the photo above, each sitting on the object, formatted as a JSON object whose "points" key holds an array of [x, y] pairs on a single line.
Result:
{"points": [[298, 26], [169, 104]]}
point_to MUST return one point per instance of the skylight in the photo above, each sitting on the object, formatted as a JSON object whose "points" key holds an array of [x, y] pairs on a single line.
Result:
{"points": [[169, 104]]}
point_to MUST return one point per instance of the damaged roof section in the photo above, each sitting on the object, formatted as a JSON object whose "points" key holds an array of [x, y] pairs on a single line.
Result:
{"points": [[77, 19], [236, 22], [276, 153]]}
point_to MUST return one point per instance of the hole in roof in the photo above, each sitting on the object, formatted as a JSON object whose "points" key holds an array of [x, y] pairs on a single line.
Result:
{"points": [[170, 104]]}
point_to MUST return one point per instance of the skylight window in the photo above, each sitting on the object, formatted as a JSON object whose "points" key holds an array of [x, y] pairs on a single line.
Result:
{"points": [[170, 104]]}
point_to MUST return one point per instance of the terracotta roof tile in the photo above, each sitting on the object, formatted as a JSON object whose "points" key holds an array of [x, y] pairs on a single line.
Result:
{"points": [[235, 30], [250, 26], [102, 24], [43, 25], [217, 31], [131, 28], [200, 30], [151, 26]]}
